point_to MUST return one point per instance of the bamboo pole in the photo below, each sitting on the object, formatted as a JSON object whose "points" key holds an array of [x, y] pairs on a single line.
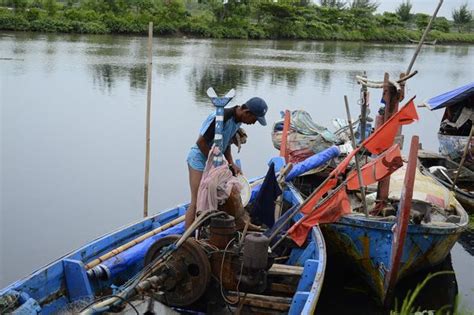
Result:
{"points": [[463, 159], [359, 174], [148, 119], [134, 242], [427, 29]]}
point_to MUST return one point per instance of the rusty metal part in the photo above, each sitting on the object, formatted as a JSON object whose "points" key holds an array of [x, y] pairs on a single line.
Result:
{"points": [[230, 268], [255, 251], [222, 230], [187, 271]]}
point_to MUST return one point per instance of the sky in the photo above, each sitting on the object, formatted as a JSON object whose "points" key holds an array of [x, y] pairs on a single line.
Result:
{"points": [[426, 6]]}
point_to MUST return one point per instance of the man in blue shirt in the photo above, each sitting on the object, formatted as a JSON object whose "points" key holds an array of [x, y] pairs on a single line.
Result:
{"points": [[252, 111]]}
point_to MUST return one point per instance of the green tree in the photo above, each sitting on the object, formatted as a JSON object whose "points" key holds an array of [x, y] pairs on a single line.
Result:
{"points": [[403, 11], [421, 20], [364, 4], [338, 4], [441, 24], [462, 17], [19, 5], [50, 6]]}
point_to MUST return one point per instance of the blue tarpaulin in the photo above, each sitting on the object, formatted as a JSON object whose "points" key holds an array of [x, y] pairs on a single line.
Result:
{"points": [[132, 259], [312, 162], [450, 98]]}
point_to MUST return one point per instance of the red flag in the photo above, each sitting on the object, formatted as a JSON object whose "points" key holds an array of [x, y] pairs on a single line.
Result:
{"points": [[377, 169], [330, 211], [384, 136], [309, 205]]}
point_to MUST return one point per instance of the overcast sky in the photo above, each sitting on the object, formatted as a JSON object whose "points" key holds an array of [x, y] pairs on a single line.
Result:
{"points": [[426, 6]]}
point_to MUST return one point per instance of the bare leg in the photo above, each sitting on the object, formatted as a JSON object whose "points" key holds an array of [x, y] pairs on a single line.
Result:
{"points": [[194, 181]]}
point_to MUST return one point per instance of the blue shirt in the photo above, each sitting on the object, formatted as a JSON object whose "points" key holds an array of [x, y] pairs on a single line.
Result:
{"points": [[196, 159]]}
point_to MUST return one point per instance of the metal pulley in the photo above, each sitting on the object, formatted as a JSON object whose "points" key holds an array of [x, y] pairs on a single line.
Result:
{"points": [[185, 275]]}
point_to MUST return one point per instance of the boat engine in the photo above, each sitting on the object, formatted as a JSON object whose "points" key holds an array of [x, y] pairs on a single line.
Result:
{"points": [[220, 261]]}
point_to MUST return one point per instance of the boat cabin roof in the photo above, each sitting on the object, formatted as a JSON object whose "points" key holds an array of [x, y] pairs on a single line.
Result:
{"points": [[450, 98]]}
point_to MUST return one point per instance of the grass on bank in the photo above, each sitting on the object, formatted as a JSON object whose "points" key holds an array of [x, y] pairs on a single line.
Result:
{"points": [[407, 307], [211, 19]]}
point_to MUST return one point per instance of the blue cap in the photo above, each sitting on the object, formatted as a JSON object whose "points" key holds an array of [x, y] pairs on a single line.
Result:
{"points": [[258, 107]]}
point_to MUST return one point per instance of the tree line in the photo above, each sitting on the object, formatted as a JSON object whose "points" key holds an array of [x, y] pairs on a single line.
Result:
{"points": [[253, 19]]}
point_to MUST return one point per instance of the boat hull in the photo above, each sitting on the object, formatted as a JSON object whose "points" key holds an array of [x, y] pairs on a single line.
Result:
{"points": [[56, 287], [367, 244]]}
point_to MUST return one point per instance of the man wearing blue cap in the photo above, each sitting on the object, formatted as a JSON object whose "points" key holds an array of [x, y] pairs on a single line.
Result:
{"points": [[252, 111]]}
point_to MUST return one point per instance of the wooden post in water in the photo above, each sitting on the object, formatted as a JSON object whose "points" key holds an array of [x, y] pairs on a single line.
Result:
{"points": [[148, 119]]}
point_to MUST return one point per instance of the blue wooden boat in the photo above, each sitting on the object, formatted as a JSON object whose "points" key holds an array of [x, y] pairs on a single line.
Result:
{"points": [[456, 123], [366, 243], [84, 275]]}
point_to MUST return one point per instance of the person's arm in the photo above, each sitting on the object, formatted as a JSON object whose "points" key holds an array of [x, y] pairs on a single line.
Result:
{"points": [[228, 157], [203, 146]]}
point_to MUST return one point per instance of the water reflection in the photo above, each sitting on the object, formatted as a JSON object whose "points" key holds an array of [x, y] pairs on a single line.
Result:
{"points": [[103, 76], [137, 76]]}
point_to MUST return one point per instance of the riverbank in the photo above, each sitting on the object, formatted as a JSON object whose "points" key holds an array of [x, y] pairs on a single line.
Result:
{"points": [[263, 21]]}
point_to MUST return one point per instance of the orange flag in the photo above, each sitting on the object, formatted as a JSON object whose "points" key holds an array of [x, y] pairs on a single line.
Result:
{"points": [[330, 211], [336, 206], [377, 169], [383, 137]]}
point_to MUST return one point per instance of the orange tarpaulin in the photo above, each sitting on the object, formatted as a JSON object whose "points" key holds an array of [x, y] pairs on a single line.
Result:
{"points": [[329, 211], [377, 169], [383, 137]]}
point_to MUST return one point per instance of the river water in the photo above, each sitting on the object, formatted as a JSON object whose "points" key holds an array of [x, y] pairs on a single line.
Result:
{"points": [[73, 123]]}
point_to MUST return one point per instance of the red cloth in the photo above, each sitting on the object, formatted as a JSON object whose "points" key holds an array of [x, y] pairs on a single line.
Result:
{"points": [[377, 169], [383, 137], [330, 211], [311, 202]]}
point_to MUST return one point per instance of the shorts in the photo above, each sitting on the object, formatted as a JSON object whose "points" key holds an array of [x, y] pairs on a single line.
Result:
{"points": [[196, 159]]}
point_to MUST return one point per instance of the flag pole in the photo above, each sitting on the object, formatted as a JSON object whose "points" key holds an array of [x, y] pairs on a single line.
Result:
{"points": [[148, 120], [359, 174]]}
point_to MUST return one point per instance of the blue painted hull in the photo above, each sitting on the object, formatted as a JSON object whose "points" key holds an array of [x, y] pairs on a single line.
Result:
{"points": [[367, 242], [50, 289]]}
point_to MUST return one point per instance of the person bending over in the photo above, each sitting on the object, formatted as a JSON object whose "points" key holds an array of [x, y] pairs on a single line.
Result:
{"points": [[252, 111]]}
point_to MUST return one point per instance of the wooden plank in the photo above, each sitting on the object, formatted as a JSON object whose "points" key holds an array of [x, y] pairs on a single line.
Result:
{"points": [[285, 270], [283, 288], [264, 301]]}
